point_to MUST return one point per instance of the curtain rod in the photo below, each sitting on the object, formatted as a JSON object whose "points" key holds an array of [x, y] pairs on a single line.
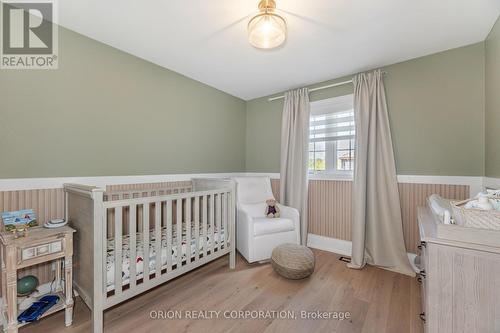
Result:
{"points": [[318, 88]]}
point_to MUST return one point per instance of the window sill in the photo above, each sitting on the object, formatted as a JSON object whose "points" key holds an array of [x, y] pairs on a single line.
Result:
{"points": [[331, 176]]}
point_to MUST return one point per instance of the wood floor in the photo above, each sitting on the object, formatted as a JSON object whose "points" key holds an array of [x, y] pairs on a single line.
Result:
{"points": [[378, 300]]}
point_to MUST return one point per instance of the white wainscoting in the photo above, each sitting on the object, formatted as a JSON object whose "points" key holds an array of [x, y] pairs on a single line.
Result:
{"points": [[491, 182], [16, 184], [476, 184]]}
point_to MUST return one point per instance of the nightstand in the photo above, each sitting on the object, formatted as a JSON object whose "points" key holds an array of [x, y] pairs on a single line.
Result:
{"points": [[39, 246]]}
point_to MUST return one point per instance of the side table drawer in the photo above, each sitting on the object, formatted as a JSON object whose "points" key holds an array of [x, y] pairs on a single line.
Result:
{"points": [[41, 250]]}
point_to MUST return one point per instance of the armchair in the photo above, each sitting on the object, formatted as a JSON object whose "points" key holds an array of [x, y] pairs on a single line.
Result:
{"points": [[257, 235]]}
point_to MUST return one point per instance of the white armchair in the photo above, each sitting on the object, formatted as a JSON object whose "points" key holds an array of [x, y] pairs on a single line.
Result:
{"points": [[257, 235]]}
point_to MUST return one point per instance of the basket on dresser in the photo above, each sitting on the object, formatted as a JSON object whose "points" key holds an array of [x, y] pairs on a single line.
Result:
{"points": [[474, 217]]}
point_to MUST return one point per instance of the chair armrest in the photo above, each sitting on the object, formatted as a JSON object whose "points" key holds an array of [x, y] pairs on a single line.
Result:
{"points": [[244, 217], [289, 212], [293, 214]]}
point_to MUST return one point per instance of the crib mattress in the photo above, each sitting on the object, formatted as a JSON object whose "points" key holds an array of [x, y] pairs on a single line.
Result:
{"points": [[139, 260]]}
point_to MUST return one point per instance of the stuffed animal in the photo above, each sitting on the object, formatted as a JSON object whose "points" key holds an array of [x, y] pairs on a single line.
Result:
{"points": [[272, 209]]}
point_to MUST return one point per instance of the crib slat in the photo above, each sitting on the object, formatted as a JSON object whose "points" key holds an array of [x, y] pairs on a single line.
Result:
{"points": [[196, 227], [204, 220], [179, 232], [145, 241], [212, 223], [169, 235], [218, 219], [105, 249], [132, 228], [187, 216], [224, 221], [118, 250], [158, 260]]}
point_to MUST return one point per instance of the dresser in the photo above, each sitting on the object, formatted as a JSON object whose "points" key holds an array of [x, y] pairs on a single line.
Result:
{"points": [[460, 279], [40, 245]]}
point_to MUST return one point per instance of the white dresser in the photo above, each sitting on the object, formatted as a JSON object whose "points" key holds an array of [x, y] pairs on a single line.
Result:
{"points": [[460, 277]]}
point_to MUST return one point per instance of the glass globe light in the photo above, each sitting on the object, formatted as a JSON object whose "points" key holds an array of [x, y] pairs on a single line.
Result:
{"points": [[267, 30]]}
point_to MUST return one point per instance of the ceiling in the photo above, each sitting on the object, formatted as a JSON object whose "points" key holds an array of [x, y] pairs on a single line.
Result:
{"points": [[206, 40]]}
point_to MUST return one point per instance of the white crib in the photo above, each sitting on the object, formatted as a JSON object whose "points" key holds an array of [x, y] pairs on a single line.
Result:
{"points": [[117, 252]]}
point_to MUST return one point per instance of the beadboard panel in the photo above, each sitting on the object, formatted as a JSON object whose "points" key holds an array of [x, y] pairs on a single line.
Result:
{"points": [[330, 206], [47, 204], [413, 196]]}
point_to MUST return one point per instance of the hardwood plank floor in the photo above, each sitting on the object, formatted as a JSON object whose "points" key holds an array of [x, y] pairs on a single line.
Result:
{"points": [[378, 301]]}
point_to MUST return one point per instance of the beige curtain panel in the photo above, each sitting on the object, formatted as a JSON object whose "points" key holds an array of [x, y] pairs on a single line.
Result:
{"points": [[295, 154], [377, 230]]}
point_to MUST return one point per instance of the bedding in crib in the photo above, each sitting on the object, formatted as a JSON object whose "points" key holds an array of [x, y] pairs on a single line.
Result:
{"points": [[139, 260]]}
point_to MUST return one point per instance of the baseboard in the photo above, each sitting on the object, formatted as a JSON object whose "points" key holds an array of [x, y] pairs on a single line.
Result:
{"points": [[334, 245], [343, 247]]}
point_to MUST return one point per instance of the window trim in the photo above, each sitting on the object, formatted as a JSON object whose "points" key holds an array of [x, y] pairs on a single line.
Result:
{"points": [[325, 107]]}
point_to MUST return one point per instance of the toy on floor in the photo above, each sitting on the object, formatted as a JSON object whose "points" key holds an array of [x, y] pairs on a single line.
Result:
{"points": [[272, 209], [37, 309]]}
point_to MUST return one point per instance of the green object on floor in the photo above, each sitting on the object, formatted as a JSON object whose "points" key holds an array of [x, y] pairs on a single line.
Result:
{"points": [[26, 285]]}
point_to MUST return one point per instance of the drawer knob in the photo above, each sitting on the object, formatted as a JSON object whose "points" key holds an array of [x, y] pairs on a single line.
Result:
{"points": [[422, 316]]}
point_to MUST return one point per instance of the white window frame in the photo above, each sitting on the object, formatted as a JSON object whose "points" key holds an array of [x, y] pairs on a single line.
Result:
{"points": [[323, 107]]}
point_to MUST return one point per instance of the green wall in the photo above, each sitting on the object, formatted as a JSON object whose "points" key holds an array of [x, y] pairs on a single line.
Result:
{"points": [[436, 110], [493, 102], [105, 112]]}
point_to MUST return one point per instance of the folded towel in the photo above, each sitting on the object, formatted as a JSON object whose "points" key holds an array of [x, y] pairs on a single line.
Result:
{"points": [[439, 206]]}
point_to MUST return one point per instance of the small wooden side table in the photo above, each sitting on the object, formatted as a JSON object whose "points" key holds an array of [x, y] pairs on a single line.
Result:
{"points": [[39, 246]]}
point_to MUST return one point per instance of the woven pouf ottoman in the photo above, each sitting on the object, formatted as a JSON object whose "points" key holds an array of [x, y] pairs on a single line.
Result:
{"points": [[293, 261]]}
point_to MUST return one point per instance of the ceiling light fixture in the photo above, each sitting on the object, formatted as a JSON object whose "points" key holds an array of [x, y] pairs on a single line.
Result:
{"points": [[267, 30]]}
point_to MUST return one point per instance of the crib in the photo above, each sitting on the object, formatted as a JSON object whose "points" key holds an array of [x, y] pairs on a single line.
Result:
{"points": [[129, 241]]}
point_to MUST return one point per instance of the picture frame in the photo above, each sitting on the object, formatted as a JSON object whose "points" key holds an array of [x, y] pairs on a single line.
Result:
{"points": [[15, 219]]}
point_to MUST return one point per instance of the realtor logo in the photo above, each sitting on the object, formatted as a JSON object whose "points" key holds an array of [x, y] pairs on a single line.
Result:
{"points": [[28, 36]]}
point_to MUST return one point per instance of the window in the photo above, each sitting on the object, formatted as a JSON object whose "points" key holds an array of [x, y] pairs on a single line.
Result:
{"points": [[331, 143]]}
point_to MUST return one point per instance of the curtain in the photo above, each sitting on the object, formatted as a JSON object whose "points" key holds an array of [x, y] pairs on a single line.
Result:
{"points": [[295, 154], [377, 230]]}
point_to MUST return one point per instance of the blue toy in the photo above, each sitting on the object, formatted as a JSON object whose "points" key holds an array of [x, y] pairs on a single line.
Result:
{"points": [[37, 309]]}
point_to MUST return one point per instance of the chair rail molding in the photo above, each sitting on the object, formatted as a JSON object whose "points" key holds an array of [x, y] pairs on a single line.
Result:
{"points": [[491, 182], [476, 183], [17, 184]]}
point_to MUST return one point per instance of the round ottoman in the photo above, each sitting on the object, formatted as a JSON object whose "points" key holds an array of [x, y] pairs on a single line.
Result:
{"points": [[293, 261]]}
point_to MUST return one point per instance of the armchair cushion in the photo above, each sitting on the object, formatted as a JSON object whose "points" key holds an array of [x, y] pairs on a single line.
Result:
{"points": [[254, 210], [253, 189], [266, 226]]}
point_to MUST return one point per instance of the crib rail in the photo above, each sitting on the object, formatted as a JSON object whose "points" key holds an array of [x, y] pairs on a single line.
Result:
{"points": [[148, 192], [185, 230]]}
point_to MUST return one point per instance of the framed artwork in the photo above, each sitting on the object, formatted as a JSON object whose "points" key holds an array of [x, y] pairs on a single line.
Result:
{"points": [[11, 220]]}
